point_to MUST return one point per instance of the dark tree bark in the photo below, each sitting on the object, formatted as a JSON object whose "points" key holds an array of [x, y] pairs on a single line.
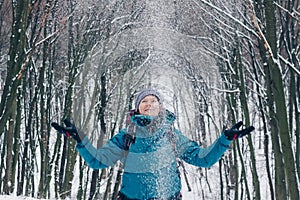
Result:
{"points": [[8, 106], [281, 118]]}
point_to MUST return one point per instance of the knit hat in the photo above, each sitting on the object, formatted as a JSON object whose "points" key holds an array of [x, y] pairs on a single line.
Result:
{"points": [[143, 94]]}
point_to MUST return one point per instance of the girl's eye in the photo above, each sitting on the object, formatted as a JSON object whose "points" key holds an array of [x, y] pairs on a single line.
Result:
{"points": [[149, 101]]}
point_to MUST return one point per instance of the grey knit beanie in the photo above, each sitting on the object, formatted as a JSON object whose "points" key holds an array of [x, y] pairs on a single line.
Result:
{"points": [[143, 94]]}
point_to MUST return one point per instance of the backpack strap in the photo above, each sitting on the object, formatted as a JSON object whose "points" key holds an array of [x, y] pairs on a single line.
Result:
{"points": [[129, 137]]}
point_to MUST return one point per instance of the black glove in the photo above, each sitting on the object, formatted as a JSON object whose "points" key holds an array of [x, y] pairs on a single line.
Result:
{"points": [[69, 131], [234, 132]]}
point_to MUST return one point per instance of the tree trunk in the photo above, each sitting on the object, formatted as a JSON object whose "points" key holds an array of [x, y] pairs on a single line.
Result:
{"points": [[276, 84], [17, 143], [267, 55], [117, 183], [246, 113], [298, 129], [9, 144], [8, 104], [101, 117], [288, 42], [107, 192], [45, 76], [262, 110], [69, 153]]}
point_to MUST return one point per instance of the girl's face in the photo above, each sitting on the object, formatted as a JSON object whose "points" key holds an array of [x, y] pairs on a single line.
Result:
{"points": [[149, 105]]}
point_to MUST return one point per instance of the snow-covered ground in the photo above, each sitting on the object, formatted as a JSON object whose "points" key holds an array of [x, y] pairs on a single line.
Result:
{"points": [[11, 197]]}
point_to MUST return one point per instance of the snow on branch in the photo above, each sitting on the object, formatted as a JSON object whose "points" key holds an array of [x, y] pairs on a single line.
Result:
{"points": [[289, 64], [226, 91]]}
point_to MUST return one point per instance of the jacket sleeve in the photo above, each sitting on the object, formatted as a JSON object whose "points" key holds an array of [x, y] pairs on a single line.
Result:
{"points": [[103, 157], [192, 153]]}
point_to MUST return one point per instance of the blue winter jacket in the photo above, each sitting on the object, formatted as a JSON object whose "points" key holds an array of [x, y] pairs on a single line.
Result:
{"points": [[150, 164]]}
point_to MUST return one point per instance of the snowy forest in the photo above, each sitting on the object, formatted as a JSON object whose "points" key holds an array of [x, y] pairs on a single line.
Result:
{"points": [[214, 62]]}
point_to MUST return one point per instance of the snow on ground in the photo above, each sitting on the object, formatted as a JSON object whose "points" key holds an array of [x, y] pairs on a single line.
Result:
{"points": [[186, 196], [10, 197]]}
